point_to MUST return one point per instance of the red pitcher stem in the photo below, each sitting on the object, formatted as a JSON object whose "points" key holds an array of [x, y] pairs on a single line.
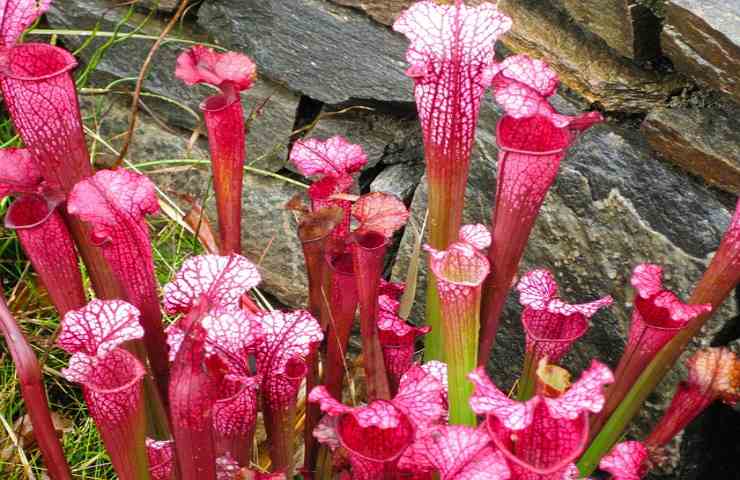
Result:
{"points": [[225, 123], [368, 253], [34, 395]]}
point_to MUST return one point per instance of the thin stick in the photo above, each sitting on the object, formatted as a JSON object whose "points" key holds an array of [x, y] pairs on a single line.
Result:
{"points": [[140, 81]]}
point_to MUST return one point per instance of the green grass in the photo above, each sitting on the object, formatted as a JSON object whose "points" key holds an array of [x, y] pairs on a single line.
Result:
{"points": [[172, 243]]}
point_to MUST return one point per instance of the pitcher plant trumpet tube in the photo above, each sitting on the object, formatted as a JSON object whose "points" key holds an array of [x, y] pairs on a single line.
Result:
{"points": [[450, 48], [658, 316], [232, 73], [460, 271], [40, 95], [111, 378], [532, 139], [41, 229]]}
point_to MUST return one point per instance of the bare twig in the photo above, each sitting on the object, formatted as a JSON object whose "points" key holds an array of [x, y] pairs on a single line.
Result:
{"points": [[140, 81]]}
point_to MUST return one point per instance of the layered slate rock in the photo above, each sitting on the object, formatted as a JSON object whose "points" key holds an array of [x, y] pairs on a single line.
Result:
{"points": [[627, 26], [612, 206], [400, 179], [704, 141], [330, 53], [270, 132], [584, 62], [702, 38], [384, 11]]}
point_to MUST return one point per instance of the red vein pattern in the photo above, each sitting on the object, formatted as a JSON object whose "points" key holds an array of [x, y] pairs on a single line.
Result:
{"points": [[226, 140], [233, 336], [47, 242], [160, 455], [111, 377], [201, 64], [541, 437], [375, 435], [224, 116], [551, 325], [658, 316], [456, 453], [397, 338], [99, 327], [332, 162], [381, 213], [193, 392], [460, 272], [222, 280], [40, 95], [626, 461], [114, 203], [450, 47], [18, 15], [714, 374], [532, 140], [290, 338], [19, 172]]}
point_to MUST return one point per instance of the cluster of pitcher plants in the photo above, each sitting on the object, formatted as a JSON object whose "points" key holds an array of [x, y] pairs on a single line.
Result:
{"points": [[184, 400]]}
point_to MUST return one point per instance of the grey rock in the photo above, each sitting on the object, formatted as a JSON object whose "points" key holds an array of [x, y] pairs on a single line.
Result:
{"points": [[704, 141], [400, 179], [702, 38], [612, 207], [627, 26], [584, 62], [383, 11], [330, 53], [270, 132]]}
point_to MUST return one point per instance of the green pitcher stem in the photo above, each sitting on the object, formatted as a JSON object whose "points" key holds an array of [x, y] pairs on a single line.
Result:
{"points": [[433, 343], [445, 211], [528, 380], [461, 323]]}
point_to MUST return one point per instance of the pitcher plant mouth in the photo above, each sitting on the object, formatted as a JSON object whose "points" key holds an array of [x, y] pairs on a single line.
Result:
{"points": [[572, 337], [346, 420], [29, 211], [219, 102], [370, 241], [491, 423], [447, 268], [33, 62], [544, 138]]}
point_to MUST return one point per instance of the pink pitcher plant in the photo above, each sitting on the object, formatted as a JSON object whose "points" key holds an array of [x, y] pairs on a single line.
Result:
{"points": [[450, 48], [532, 139], [40, 95], [227, 363], [551, 326], [231, 73]]}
